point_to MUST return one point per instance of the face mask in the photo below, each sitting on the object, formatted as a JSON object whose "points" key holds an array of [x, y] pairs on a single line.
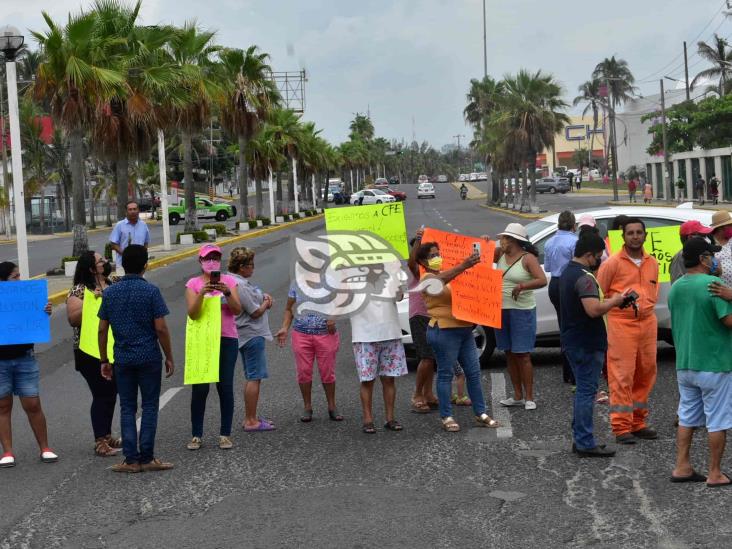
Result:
{"points": [[435, 263], [598, 262], [107, 269], [210, 265], [714, 267]]}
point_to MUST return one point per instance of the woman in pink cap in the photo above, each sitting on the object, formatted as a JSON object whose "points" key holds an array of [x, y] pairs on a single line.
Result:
{"points": [[211, 283]]}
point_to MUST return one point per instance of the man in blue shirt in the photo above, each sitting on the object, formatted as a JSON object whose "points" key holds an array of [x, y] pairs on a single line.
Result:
{"points": [[584, 336], [135, 310], [131, 230], [558, 253]]}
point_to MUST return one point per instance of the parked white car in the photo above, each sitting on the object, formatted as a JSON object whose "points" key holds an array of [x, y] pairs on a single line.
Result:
{"points": [[426, 190], [464, 177], [371, 196], [547, 329]]}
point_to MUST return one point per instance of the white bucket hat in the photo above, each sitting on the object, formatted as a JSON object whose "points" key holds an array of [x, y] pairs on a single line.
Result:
{"points": [[517, 231]]}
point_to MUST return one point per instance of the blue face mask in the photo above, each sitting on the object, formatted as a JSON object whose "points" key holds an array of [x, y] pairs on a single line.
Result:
{"points": [[714, 266]]}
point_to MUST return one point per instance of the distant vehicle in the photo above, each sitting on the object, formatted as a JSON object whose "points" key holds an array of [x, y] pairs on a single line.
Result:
{"points": [[574, 171], [337, 194], [442, 179], [482, 176], [464, 177], [393, 180], [371, 196], [552, 185], [474, 176], [423, 179], [381, 182], [205, 209], [426, 189], [595, 174], [399, 195], [433, 179]]}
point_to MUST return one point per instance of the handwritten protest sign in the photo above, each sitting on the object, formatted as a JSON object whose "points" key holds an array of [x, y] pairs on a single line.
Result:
{"points": [[384, 220], [22, 318], [663, 243], [89, 336], [203, 344], [476, 294]]}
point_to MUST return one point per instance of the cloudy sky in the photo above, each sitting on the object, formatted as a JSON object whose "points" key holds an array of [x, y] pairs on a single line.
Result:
{"points": [[409, 62]]}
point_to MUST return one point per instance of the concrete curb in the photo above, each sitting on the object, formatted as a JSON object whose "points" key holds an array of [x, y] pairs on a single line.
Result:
{"points": [[59, 297], [523, 215], [718, 207]]}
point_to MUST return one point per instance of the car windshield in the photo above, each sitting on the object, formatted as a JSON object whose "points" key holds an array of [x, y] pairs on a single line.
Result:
{"points": [[377, 191], [536, 227]]}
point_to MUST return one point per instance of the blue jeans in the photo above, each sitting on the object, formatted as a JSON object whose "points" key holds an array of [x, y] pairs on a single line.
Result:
{"points": [[452, 345], [225, 388], [254, 359], [587, 367], [146, 379]]}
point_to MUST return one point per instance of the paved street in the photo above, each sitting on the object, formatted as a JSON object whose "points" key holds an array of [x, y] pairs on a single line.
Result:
{"points": [[326, 484]]}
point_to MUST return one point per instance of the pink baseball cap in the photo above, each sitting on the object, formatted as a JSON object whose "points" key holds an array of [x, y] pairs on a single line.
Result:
{"points": [[209, 249], [586, 220]]}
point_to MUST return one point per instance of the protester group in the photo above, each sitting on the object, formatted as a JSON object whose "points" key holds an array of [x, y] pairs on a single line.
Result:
{"points": [[604, 299]]}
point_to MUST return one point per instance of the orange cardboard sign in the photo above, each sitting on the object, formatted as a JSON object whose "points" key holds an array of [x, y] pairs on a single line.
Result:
{"points": [[476, 293]]}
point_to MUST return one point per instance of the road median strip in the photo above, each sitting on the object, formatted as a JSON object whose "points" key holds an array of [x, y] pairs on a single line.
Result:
{"points": [[524, 215]]}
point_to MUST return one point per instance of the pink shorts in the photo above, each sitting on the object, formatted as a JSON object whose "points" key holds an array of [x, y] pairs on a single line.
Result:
{"points": [[308, 348]]}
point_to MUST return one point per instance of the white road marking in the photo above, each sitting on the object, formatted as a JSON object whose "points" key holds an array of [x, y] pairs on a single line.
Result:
{"points": [[166, 397], [500, 412]]}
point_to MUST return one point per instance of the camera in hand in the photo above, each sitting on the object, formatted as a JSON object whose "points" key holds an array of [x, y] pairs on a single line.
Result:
{"points": [[631, 300]]}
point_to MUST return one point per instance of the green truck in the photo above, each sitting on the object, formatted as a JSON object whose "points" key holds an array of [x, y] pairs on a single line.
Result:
{"points": [[205, 209]]}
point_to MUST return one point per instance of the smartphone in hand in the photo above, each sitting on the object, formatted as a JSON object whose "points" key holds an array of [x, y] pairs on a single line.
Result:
{"points": [[215, 277], [476, 248]]}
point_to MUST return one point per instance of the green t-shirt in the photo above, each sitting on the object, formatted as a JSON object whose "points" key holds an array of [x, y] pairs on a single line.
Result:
{"points": [[702, 342]]}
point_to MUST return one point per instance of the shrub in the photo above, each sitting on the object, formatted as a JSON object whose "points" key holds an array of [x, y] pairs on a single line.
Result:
{"points": [[219, 227], [252, 223], [68, 258], [265, 220], [198, 236]]}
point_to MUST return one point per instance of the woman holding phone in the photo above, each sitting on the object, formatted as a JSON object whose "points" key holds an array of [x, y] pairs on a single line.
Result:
{"points": [[211, 283]]}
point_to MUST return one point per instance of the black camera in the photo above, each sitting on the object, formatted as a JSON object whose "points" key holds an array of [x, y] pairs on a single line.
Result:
{"points": [[630, 300]]}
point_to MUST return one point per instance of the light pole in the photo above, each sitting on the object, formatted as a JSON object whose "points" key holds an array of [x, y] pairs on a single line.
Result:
{"points": [[485, 46], [10, 43]]}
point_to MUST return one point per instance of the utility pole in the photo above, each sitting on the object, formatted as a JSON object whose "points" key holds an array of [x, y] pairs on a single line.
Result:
{"points": [[4, 153], [613, 141], [666, 161], [485, 46], [686, 75]]}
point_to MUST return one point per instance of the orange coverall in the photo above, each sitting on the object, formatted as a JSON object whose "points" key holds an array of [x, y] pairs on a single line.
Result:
{"points": [[632, 339]]}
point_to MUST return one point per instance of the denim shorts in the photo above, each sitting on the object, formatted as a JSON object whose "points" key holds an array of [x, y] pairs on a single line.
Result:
{"points": [[518, 330], [254, 359], [705, 399], [19, 376]]}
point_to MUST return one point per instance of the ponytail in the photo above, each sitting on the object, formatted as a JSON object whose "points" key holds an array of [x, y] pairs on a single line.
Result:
{"points": [[529, 247]]}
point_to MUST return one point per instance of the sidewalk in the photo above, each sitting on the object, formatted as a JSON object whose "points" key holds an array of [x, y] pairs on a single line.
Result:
{"points": [[665, 204]]}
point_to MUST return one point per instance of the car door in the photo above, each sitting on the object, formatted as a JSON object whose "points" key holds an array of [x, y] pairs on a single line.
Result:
{"points": [[368, 197], [201, 209], [546, 317]]}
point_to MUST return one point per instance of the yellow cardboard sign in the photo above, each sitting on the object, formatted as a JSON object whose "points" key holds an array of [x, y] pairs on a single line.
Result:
{"points": [[663, 243], [203, 344], [384, 220], [89, 335]]}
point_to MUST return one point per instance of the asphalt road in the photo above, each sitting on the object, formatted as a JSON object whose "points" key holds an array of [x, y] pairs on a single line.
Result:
{"points": [[326, 484]]}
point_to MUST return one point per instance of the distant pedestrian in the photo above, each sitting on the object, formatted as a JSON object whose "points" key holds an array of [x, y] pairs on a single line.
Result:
{"points": [[522, 274], [314, 338], [452, 341], [680, 189], [579, 181], [647, 193], [20, 376], [252, 325], [92, 274], [558, 252], [231, 191], [131, 230], [701, 318], [605, 179], [570, 176], [136, 311], [632, 188], [212, 284], [584, 337], [701, 189], [714, 189], [722, 235], [378, 349], [689, 229]]}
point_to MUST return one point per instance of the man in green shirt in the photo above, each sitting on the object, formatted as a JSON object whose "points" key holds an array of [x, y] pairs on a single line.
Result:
{"points": [[701, 324]]}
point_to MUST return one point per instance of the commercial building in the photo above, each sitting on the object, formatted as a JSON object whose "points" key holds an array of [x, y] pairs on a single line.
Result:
{"points": [[575, 136]]}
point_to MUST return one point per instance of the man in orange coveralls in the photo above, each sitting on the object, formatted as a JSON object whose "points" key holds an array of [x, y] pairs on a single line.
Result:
{"points": [[631, 334]]}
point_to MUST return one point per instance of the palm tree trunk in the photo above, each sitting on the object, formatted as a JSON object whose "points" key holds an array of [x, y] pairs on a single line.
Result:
{"points": [[279, 188], [41, 207], [294, 185], [271, 197], [532, 176], [353, 189], [243, 181], [80, 240], [312, 191], [123, 178], [190, 191], [259, 200]]}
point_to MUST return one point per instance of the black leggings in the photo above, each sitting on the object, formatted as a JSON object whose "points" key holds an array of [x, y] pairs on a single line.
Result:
{"points": [[104, 393]]}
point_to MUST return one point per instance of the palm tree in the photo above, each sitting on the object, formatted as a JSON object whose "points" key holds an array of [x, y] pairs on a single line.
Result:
{"points": [[34, 156], [264, 153], [287, 131], [590, 94], [530, 118], [361, 128], [720, 57], [76, 74], [192, 50], [250, 97]]}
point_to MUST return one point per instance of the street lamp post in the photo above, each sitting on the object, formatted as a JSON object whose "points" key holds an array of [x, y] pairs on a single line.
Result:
{"points": [[10, 43]]}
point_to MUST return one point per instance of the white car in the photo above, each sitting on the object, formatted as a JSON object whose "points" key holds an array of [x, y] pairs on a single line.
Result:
{"points": [[423, 179], [464, 177], [371, 196], [442, 179], [474, 176], [547, 329], [426, 189]]}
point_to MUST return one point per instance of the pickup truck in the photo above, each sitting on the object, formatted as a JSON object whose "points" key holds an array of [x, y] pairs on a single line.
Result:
{"points": [[205, 209]]}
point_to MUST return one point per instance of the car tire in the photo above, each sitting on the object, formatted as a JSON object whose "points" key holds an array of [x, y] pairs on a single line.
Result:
{"points": [[485, 340], [378, 201], [552, 190], [221, 216], [174, 218]]}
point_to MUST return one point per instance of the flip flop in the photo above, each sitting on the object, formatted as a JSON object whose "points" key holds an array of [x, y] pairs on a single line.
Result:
{"points": [[263, 425], [369, 428], [333, 415], [393, 425], [693, 477], [306, 417], [463, 401], [720, 484]]}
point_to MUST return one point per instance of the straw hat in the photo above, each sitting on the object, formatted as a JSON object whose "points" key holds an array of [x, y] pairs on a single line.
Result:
{"points": [[517, 231], [721, 219]]}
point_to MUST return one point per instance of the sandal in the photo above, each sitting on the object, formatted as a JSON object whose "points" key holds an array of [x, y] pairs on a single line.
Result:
{"points": [[450, 425], [307, 416], [369, 428], [602, 397], [114, 442], [102, 448], [393, 425], [334, 415], [484, 420], [433, 404], [420, 407], [463, 401]]}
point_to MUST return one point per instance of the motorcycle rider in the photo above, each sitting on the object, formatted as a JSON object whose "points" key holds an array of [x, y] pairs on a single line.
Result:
{"points": [[463, 191]]}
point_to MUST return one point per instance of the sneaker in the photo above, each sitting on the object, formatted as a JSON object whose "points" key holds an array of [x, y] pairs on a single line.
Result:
{"points": [[195, 443], [625, 438], [7, 460], [225, 443], [530, 405], [48, 456], [646, 433], [156, 465], [597, 451], [125, 467], [510, 401]]}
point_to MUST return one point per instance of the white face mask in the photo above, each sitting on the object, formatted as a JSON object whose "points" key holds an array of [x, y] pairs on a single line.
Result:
{"points": [[210, 265]]}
